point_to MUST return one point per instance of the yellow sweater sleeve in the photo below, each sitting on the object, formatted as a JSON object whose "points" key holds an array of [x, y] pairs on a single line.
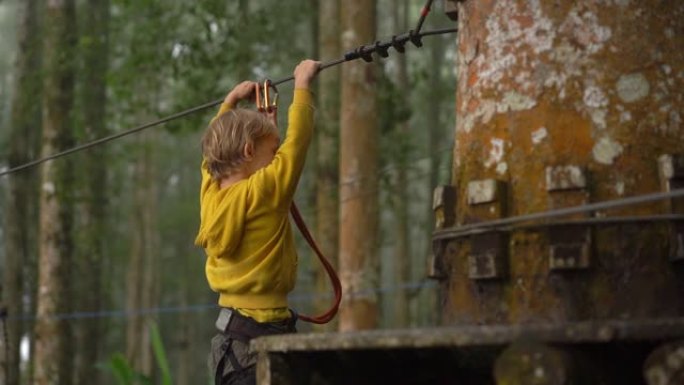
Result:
{"points": [[277, 182], [225, 107]]}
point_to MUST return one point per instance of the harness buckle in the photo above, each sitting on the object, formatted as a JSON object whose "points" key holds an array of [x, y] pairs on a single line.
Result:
{"points": [[223, 320]]}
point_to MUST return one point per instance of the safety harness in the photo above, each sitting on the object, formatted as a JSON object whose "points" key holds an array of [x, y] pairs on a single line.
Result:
{"points": [[241, 328]]}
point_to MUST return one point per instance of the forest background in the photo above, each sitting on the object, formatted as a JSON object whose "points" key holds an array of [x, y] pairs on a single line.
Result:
{"points": [[97, 245]]}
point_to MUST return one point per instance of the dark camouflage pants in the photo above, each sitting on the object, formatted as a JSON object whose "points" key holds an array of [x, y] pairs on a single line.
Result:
{"points": [[240, 369], [231, 375]]}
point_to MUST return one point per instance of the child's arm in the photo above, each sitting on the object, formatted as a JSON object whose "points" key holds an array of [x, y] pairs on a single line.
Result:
{"points": [[277, 182], [208, 186], [242, 91]]}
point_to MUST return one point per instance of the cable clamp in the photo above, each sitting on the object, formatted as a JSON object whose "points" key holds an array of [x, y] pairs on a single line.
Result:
{"points": [[381, 49], [366, 53], [416, 38], [398, 44]]}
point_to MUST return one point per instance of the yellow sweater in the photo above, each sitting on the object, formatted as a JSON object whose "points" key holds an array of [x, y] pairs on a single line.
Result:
{"points": [[245, 228]]}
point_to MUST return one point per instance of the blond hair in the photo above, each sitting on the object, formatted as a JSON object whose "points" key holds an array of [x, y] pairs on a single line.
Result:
{"points": [[225, 139]]}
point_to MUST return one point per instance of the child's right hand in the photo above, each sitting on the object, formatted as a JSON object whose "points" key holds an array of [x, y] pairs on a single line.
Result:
{"points": [[242, 91], [305, 72]]}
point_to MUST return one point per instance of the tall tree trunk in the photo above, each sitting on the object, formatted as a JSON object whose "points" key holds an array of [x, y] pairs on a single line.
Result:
{"points": [[327, 141], [53, 346], [427, 305], [400, 198], [143, 268], [95, 39], [358, 174], [21, 200]]}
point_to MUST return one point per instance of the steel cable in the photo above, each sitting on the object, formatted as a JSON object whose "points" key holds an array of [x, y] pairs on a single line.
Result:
{"points": [[580, 209], [295, 298], [364, 52]]}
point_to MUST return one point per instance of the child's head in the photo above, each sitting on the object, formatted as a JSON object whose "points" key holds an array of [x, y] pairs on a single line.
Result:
{"points": [[239, 139]]}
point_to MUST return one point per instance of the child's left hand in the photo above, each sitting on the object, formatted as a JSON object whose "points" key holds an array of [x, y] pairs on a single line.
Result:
{"points": [[242, 91]]}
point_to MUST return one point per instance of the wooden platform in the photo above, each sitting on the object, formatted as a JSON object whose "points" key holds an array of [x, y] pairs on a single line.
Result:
{"points": [[465, 354]]}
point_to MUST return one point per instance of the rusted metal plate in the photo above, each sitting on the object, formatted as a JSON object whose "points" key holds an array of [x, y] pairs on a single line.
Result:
{"points": [[677, 242], [569, 247], [560, 178], [444, 206], [486, 199], [442, 251], [484, 191], [671, 172], [488, 257], [671, 167]]}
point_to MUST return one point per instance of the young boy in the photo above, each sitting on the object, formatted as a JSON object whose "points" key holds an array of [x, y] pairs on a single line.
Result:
{"points": [[248, 182]]}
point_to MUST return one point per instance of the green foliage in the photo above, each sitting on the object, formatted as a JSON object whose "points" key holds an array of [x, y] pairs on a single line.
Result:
{"points": [[160, 354], [398, 146], [393, 106], [126, 375]]}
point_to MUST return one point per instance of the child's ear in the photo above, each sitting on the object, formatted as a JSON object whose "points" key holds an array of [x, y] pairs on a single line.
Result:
{"points": [[248, 150]]}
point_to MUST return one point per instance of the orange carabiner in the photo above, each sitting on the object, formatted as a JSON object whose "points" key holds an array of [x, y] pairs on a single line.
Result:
{"points": [[263, 97]]}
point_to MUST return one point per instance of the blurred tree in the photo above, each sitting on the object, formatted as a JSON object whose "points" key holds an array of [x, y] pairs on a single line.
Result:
{"points": [[358, 174], [53, 345], [94, 43], [180, 203], [22, 198], [327, 142], [143, 268], [400, 192], [142, 39]]}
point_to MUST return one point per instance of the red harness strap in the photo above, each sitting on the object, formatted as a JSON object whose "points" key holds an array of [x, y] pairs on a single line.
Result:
{"points": [[270, 107], [334, 279]]}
